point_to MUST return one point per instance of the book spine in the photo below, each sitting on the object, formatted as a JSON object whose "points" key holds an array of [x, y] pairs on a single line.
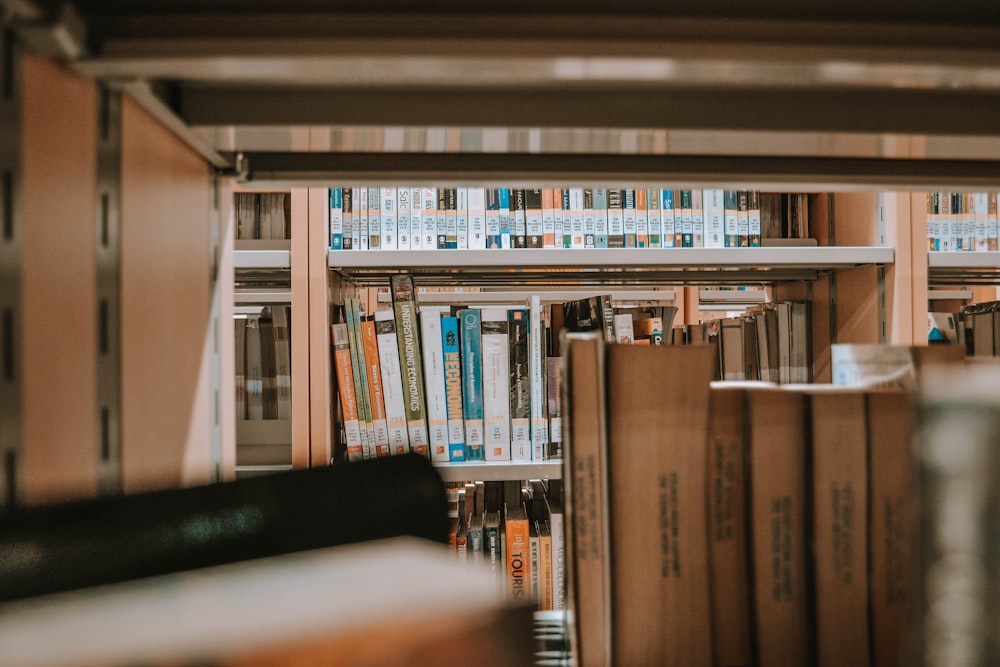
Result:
{"points": [[477, 218], [548, 219], [539, 424], [364, 238], [350, 224], [442, 219], [387, 208], [697, 219], [589, 219], [991, 223], [630, 225], [653, 219], [493, 218], [392, 382], [374, 219], [336, 219], [576, 218], [520, 219], [506, 219], [408, 339], [558, 560], [470, 322], [731, 218], [553, 450], [534, 218], [742, 219], [541, 565], [981, 213], [453, 387], [416, 218], [668, 219], [496, 384], [600, 217], [433, 358], [715, 230], [616, 219], [360, 382], [687, 220], [375, 393], [753, 216], [453, 216], [517, 546], [428, 218], [520, 391], [641, 219], [403, 218], [933, 232], [345, 389], [945, 221], [567, 219]]}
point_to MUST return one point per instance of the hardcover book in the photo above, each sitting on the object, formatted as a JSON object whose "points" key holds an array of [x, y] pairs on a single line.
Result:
{"points": [[616, 219], [403, 218], [336, 219], [600, 218], [392, 381], [408, 339], [653, 220], [374, 219], [533, 215], [686, 219], [520, 218], [453, 387], [434, 377], [518, 565], [548, 218], [496, 384], [345, 390], [375, 395], [630, 224], [470, 326], [520, 389], [387, 211], [428, 217], [350, 219], [715, 226]]}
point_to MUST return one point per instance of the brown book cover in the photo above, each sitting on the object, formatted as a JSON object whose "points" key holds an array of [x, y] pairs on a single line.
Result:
{"points": [[893, 549], [777, 492], [727, 537], [658, 429], [839, 453], [587, 507]]}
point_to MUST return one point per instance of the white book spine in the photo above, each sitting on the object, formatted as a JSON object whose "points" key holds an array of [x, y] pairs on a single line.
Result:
{"points": [[462, 232], [477, 218], [404, 241], [428, 212], [433, 359], [539, 423], [392, 381], [496, 384], [982, 229], [558, 560], [363, 230], [576, 221], [416, 220], [282, 361], [697, 219], [387, 206], [715, 222]]}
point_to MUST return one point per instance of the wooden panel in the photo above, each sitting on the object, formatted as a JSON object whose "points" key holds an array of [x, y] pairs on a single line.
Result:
{"points": [[909, 279], [166, 328], [59, 308], [857, 305], [855, 222], [302, 335], [320, 388], [227, 335]]}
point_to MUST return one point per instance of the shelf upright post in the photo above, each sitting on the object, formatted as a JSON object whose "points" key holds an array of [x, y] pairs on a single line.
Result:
{"points": [[108, 258], [10, 269], [221, 300]]}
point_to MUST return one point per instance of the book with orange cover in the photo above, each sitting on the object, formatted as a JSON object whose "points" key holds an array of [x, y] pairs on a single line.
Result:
{"points": [[657, 472], [345, 389], [516, 546], [376, 395]]}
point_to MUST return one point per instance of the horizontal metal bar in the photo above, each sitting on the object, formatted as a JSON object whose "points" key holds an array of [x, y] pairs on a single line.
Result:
{"points": [[546, 296], [541, 170]]}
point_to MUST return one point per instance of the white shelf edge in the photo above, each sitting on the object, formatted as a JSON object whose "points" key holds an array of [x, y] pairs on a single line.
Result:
{"points": [[262, 259], [488, 471], [963, 260], [804, 257], [940, 294], [251, 296]]}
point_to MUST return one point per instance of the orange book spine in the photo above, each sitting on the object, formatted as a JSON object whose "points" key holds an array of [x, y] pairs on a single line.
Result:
{"points": [[374, 373], [345, 389], [518, 558], [548, 218]]}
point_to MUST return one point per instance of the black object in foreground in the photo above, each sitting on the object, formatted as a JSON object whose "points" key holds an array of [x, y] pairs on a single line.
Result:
{"points": [[106, 540]]}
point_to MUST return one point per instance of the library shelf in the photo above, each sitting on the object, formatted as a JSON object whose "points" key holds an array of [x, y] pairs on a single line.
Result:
{"points": [[262, 259], [963, 268], [490, 471]]}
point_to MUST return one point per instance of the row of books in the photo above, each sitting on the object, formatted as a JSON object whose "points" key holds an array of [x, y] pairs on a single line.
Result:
{"points": [[979, 328], [962, 221], [722, 523], [263, 364], [461, 385], [263, 216], [516, 528], [770, 342], [442, 218]]}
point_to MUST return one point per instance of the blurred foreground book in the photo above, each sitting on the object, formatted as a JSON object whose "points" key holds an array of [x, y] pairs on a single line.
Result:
{"points": [[399, 601]]}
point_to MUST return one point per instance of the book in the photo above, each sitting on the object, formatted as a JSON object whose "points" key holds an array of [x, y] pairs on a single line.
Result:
{"points": [[376, 397], [753, 217], [239, 366], [462, 218], [493, 236], [441, 217], [534, 563], [641, 219], [654, 221], [470, 336], [616, 218], [839, 483], [450, 196], [536, 349], [432, 355], [518, 565], [350, 237], [533, 216], [777, 524], [577, 218], [280, 316], [630, 221], [496, 384], [742, 219], [392, 382], [624, 330], [554, 447], [587, 529], [548, 218], [601, 217], [557, 562], [477, 218], [668, 220], [346, 391], [353, 315], [404, 218], [336, 219], [545, 599], [715, 223], [566, 225], [453, 387], [686, 219], [892, 516], [254, 370], [269, 401], [520, 237], [649, 328], [697, 219], [589, 218], [387, 214], [730, 218], [727, 537], [659, 552], [408, 339], [428, 217], [506, 219], [374, 219], [520, 388]]}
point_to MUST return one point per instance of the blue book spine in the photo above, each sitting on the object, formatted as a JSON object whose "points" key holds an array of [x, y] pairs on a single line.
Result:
{"points": [[470, 322], [336, 219], [506, 234], [453, 387]]}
